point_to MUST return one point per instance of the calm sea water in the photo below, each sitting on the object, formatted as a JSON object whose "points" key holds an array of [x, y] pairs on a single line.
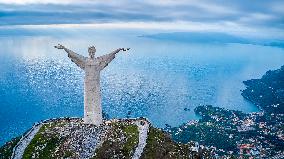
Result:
{"points": [[156, 79]]}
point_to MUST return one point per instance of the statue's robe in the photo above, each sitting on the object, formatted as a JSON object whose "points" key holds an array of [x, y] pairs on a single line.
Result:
{"points": [[92, 92]]}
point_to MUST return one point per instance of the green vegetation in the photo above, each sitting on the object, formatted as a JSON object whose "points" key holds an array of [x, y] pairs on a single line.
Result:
{"points": [[132, 133], [210, 135], [120, 142], [42, 145], [267, 92], [48, 143], [7, 149], [160, 145], [67, 154]]}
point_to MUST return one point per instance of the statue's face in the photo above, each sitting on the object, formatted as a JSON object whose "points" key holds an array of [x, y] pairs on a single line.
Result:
{"points": [[92, 50]]}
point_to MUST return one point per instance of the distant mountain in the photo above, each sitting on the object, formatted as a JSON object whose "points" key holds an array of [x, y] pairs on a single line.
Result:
{"points": [[212, 37]]}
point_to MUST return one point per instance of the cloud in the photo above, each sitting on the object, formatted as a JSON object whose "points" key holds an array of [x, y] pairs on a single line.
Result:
{"points": [[248, 16], [24, 2]]}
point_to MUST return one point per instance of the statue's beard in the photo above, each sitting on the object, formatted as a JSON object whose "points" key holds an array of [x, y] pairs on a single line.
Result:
{"points": [[92, 56]]}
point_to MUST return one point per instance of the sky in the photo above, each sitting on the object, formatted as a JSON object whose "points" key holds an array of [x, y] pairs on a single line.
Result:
{"points": [[253, 18]]}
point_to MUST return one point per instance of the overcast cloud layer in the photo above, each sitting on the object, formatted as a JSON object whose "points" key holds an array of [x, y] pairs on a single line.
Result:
{"points": [[258, 17]]}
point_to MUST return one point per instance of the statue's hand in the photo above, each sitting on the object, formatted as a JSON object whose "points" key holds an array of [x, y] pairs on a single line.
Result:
{"points": [[59, 46], [125, 49]]}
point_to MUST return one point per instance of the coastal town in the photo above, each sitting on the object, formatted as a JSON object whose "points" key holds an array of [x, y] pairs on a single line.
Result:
{"points": [[230, 133]]}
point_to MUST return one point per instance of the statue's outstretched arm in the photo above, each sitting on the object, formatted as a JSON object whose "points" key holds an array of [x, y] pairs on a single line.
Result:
{"points": [[79, 60], [106, 59]]}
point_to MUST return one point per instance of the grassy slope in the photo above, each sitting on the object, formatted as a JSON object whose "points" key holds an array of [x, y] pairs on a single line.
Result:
{"points": [[42, 145], [160, 145], [7, 149], [120, 142]]}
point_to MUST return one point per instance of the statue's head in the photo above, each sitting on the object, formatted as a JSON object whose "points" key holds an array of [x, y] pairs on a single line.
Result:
{"points": [[92, 50]]}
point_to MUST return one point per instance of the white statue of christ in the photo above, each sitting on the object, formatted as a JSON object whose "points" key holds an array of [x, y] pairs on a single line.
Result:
{"points": [[92, 93]]}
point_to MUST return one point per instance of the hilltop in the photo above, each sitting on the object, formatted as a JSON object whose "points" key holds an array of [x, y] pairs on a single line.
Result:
{"points": [[71, 138]]}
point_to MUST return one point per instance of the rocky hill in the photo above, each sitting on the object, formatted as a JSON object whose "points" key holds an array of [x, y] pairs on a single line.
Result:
{"points": [[268, 92], [71, 138]]}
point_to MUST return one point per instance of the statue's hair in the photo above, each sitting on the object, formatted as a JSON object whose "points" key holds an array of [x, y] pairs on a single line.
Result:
{"points": [[92, 48]]}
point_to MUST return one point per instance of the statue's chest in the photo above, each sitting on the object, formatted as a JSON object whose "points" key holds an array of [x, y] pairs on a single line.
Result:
{"points": [[91, 66]]}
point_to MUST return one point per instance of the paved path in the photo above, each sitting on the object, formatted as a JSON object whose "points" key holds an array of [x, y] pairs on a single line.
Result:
{"points": [[19, 149], [143, 128]]}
